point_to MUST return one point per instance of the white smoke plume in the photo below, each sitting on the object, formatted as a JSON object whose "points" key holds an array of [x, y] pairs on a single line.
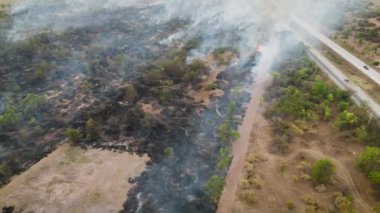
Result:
{"points": [[240, 24]]}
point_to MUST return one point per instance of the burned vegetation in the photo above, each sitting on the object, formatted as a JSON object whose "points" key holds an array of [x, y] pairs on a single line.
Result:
{"points": [[115, 85]]}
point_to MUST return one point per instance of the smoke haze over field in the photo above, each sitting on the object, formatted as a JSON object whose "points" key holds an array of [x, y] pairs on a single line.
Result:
{"points": [[239, 24], [248, 19]]}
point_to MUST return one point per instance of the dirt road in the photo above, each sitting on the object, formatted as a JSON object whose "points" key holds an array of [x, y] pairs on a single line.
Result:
{"points": [[240, 147]]}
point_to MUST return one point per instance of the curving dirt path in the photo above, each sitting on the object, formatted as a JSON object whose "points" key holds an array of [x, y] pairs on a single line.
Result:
{"points": [[343, 174]]}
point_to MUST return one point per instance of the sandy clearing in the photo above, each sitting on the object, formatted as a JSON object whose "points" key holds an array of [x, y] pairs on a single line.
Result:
{"points": [[74, 180]]}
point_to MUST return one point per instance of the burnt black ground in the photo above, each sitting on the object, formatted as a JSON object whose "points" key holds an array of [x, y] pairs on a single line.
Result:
{"points": [[175, 183]]}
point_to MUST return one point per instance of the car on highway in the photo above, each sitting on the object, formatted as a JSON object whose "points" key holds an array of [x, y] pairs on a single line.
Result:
{"points": [[365, 67]]}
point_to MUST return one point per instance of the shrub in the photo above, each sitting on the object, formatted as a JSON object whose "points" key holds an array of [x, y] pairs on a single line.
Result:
{"points": [[211, 86], [85, 86], [73, 134], [283, 168], [248, 196], [374, 177], [343, 203], [131, 93], [320, 89], [225, 159], [221, 57], [361, 134], [154, 75], [343, 105], [215, 187], [192, 44], [290, 205], [346, 120], [198, 66], [322, 171], [10, 116], [169, 151], [41, 71], [369, 160], [174, 68], [32, 102], [92, 129]]}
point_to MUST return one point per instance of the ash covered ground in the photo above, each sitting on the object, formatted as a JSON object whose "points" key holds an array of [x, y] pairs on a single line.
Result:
{"points": [[118, 79]]}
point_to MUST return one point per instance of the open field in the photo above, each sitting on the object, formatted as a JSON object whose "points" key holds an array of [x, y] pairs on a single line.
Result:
{"points": [[285, 144], [76, 180]]}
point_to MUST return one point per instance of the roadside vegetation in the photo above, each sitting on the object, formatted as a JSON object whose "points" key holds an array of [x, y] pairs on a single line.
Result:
{"points": [[361, 32], [226, 135], [302, 97], [301, 103]]}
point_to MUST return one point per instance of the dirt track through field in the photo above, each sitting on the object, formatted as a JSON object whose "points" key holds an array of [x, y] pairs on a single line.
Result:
{"points": [[343, 174], [240, 147]]}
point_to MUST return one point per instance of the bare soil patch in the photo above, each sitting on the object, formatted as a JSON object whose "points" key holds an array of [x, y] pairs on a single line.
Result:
{"points": [[74, 180]]}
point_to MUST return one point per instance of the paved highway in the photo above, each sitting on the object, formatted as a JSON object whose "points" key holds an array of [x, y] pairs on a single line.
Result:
{"points": [[359, 64]]}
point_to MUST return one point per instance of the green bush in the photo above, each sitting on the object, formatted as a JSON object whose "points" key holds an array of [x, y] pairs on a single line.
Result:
{"points": [[92, 129], [192, 44], [73, 134], [225, 159], [369, 160], [131, 93], [169, 151], [10, 117], [221, 57], [374, 177], [85, 86], [346, 120], [322, 171], [344, 203], [215, 187], [32, 102], [212, 86], [290, 205], [41, 71], [248, 196]]}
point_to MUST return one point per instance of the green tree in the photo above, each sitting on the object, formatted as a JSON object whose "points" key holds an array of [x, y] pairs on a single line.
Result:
{"points": [[322, 171]]}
